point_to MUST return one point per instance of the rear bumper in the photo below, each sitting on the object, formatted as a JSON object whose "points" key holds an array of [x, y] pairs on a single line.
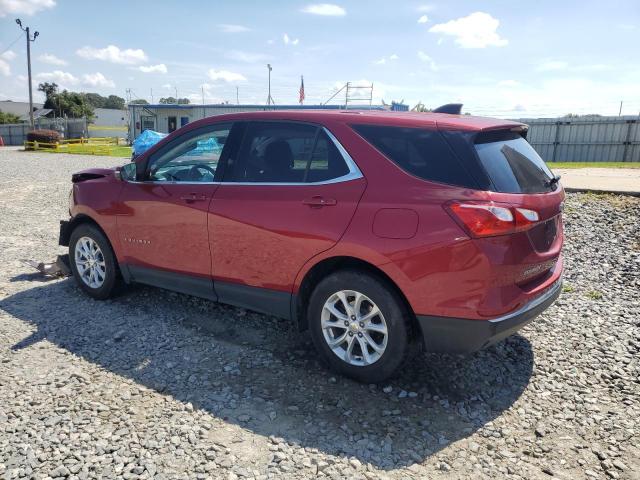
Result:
{"points": [[458, 335]]}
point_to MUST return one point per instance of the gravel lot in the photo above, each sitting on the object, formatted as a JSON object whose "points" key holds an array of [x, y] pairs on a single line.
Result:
{"points": [[162, 385]]}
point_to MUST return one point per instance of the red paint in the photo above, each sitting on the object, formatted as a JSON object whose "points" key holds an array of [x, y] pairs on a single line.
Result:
{"points": [[271, 236]]}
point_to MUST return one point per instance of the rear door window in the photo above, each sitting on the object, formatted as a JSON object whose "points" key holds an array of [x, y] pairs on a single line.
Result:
{"points": [[512, 164], [286, 152], [420, 152]]}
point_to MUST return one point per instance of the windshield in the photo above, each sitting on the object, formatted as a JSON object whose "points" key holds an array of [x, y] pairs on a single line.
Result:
{"points": [[514, 166]]}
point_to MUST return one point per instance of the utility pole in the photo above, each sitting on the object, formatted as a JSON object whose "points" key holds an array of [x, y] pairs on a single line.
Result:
{"points": [[176, 88], [29, 40], [152, 95], [620, 111], [237, 96], [269, 98]]}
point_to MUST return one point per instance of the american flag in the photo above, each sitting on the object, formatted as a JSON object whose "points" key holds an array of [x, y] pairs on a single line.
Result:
{"points": [[301, 100]]}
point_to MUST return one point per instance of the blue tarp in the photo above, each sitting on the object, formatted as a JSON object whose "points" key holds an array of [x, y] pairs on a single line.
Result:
{"points": [[146, 140]]}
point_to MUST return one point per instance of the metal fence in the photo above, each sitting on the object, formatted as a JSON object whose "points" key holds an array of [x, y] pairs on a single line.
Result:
{"points": [[16, 133], [586, 139]]}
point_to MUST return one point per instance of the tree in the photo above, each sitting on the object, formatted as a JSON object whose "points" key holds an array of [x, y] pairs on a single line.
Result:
{"points": [[114, 101], [65, 103], [173, 101], [420, 107], [6, 117], [139, 101], [49, 90], [98, 101]]}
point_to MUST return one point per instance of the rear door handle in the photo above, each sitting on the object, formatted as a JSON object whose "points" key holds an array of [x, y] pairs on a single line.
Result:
{"points": [[193, 197], [318, 201]]}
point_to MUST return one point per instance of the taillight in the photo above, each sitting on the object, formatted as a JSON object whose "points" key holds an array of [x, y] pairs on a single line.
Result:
{"points": [[488, 219]]}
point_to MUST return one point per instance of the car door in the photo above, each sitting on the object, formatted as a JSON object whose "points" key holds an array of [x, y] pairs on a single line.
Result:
{"points": [[164, 229], [289, 194]]}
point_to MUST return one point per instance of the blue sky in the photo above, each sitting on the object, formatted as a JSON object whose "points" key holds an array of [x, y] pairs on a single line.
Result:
{"points": [[500, 58]]}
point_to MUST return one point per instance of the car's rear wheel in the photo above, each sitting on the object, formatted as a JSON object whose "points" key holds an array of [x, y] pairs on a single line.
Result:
{"points": [[93, 262], [359, 325]]}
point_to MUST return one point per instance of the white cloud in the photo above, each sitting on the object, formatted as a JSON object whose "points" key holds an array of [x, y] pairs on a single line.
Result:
{"points": [[231, 28], [97, 80], [24, 7], [477, 30], [425, 8], [289, 41], [52, 59], [428, 60], [5, 58], [63, 79], [325, 9], [160, 68], [552, 65], [226, 76], [423, 19], [384, 60], [113, 54], [8, 55], [5, 69], [508, 83]]}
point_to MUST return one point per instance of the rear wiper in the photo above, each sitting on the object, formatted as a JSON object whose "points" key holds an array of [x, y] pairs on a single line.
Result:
{"points": [[552, 181]]}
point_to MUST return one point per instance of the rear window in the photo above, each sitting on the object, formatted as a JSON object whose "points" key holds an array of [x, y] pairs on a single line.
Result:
{"points": [[420, 152], [512, 164]]}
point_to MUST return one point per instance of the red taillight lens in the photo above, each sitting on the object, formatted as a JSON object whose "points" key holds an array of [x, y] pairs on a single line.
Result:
{"points": [[488, 219]]}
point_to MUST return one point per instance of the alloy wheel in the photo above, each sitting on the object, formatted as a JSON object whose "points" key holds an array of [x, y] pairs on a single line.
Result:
{"points": [[90, 262], [354, 328]]}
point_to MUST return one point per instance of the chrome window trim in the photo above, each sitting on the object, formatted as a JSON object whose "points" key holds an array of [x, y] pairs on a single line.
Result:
{"points": [[354, 172]]}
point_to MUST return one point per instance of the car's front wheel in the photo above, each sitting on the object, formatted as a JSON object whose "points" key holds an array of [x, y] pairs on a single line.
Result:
{"points": [[359, 326], [93, 262]]}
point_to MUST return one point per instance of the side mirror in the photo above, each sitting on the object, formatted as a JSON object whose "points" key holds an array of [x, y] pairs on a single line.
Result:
{"points": [[127, 172]]}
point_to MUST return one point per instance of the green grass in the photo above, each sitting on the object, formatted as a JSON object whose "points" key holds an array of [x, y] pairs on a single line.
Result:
{"points": [[553, 165], [121, 152], [594, 295]]}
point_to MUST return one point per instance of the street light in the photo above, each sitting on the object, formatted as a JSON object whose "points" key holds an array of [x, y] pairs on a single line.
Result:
{"points": [[29, 40]]}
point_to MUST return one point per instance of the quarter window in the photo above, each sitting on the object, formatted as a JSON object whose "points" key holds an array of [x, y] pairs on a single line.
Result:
{"points": [[194, 159], [285, 152], [421, 152]]}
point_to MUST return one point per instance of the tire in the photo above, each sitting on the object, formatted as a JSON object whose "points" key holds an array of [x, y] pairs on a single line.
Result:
{"points": [[105, 280], [378, 364]]}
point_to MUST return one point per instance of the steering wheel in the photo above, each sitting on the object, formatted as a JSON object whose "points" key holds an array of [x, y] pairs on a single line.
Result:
{"points": [[194, 172]]}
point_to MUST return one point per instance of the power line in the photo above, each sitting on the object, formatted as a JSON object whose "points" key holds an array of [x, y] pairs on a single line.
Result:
{"points": [[11, 44]]}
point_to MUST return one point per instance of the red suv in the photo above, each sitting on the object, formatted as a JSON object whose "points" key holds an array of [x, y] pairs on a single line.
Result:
{"points": [[375, 231]]}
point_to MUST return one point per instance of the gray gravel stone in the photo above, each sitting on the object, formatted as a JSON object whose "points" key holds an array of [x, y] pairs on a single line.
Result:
{"points": [[153, 384]]}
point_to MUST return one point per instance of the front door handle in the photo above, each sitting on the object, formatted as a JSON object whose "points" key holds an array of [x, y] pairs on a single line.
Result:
{"points": [[193, 197], [318, 201]]}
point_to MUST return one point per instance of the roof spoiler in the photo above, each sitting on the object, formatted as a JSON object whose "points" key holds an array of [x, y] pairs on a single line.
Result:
{"points": [[452, 108]]}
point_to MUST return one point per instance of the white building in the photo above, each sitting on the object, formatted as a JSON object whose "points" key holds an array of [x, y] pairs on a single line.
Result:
{"points": [[166, 118]]}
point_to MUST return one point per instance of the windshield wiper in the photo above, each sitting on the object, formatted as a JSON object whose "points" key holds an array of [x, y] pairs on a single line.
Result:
{"points": [[552, 181]]}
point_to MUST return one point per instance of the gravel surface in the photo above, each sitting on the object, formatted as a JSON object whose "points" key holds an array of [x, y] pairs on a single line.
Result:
{"points": [[161, 385]]}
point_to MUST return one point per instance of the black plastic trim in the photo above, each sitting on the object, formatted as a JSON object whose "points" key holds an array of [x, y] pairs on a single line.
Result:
{"points": [[263, 300], [177, 282], [458, 335]]}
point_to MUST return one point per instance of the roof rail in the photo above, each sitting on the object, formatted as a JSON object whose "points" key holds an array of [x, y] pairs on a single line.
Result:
{"points": [[453, 108]]}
